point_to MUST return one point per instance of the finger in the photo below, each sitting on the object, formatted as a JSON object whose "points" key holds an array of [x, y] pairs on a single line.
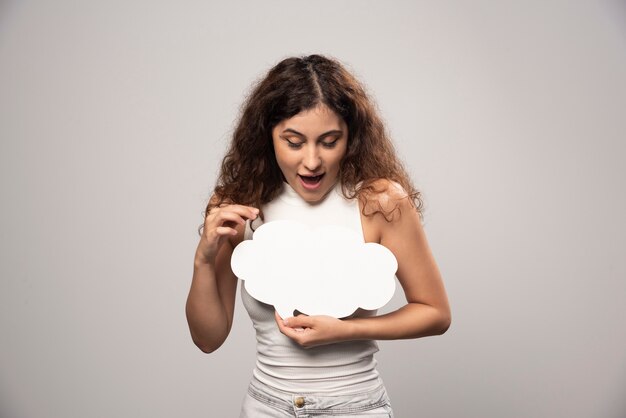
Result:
{"points": [[226, 216], [279, 320], [286, 329], [281, 326], [224, 230], [217, 213], [300, 321], [295, 334], [244, 211]]}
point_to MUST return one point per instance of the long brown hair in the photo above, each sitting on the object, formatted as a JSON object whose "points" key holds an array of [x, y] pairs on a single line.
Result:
{"points": [[249, 173]]}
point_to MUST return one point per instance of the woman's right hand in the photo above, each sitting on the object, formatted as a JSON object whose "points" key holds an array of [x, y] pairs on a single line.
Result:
{"points": [[220, 223]]}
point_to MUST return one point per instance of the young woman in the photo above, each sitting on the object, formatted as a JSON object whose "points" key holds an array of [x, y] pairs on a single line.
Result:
{"points": [[310, 146]]}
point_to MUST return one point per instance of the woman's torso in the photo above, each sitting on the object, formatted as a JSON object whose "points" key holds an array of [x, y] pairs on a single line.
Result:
{"points": [[282, 363]]}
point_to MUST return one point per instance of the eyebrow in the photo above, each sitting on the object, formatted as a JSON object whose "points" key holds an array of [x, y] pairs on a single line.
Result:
{"points": [[332, 131]]}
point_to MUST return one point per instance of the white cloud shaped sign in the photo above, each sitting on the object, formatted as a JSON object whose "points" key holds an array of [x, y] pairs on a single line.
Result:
{"points": [[325, 270]]}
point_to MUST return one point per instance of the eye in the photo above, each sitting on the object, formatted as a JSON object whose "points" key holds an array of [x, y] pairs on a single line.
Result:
{"points": [[330, 144], [294, 145]]}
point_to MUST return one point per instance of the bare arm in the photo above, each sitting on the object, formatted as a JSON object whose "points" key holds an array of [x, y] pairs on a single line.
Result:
{"points": [[427, 311], [211, 301]]}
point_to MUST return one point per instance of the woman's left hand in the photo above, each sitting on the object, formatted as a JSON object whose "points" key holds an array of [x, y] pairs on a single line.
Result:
{"points": [[310, 331]]}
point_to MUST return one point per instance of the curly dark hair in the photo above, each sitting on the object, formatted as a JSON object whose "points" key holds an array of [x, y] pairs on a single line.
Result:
{"points": [[249, 173]]}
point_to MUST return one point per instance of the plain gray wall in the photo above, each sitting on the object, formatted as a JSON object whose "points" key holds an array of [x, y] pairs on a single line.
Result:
{"points": [[114, 116]]}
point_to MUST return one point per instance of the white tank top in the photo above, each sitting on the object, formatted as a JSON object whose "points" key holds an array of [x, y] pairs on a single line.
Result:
{"points": [[282, 363]]}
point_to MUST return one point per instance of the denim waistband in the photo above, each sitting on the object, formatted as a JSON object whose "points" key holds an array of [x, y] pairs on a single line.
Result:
{"points": [[338, 403]]}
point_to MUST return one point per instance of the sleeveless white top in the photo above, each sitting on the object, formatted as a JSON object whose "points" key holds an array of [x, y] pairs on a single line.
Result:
{"points": [[281, 362]]}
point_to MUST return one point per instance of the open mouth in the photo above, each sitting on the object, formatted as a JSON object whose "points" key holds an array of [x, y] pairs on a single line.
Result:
{"points": [[311, 182]]}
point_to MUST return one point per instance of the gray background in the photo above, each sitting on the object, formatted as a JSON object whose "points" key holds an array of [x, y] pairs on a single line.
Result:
{"points": [[114, 116]]}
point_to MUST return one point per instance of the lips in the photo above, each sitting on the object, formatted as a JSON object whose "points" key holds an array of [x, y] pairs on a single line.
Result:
{"points": [[311, 182], [311, 179]]}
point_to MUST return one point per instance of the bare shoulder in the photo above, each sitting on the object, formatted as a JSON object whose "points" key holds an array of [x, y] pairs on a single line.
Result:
{"points": [[385, 197], [384, 204]]}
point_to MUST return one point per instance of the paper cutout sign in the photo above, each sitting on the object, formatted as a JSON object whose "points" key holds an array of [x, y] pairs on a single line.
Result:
{"points": [[325, 270]]}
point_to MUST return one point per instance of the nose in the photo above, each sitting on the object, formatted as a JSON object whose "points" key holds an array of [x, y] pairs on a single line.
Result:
{"points": [[312, 160]]}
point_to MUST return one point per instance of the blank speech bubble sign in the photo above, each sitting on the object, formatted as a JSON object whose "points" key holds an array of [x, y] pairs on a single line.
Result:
{"points": [[325, 270]]}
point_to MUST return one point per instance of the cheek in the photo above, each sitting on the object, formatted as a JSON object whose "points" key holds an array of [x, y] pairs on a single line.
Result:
{"points": [[279, 154], [285, 160], [337, 157]]}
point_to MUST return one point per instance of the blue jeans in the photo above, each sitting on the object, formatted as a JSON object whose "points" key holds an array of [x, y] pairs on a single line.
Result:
{"points": [[265, 402]]}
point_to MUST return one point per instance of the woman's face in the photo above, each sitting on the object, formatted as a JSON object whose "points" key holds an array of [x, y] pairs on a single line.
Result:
{"points": [[309, 148]]}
